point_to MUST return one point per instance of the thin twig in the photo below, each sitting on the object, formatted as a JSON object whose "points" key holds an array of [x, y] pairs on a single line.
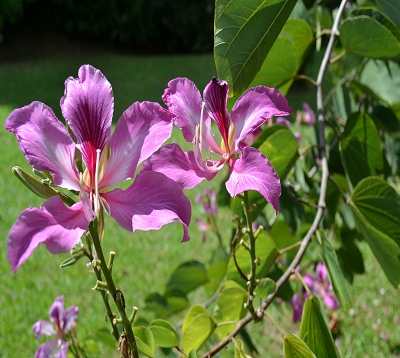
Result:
{"points": [[321, 202]]}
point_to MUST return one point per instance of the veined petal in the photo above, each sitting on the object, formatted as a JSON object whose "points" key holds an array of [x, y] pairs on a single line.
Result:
{"points": [[253, 171], [56, 311], [152, 201], [184, 100], [87, 106], [216, 98], [177, 165], [45, 142], [55, 348], [254, 108], [69, 317], [54, 224], [141, 130], [43, 327]]}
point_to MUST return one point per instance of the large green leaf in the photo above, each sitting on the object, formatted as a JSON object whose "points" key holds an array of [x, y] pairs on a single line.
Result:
{"points": [[330, 259], [188, 276], [164, 334], [376, 208], [294, 347], [314, 330], [244, 34], [365, 36], [144, 340], [360, 146], [281, 149], [197, 327], [286, 56], [391, 9]]}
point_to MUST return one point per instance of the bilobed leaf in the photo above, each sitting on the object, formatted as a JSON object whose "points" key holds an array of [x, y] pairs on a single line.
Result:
{"points": [[376, 208], [314, 330], [158, 304], [244, 34], [294, 347], [188, 276], [286, 56], [164, 334], [265, 287], [144, 340], [197, 327], [281, 149], [391, 10], [331, 262], [366, 37], [361, 150], [177, 299]]}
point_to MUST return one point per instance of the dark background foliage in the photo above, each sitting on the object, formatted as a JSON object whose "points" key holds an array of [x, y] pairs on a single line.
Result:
{"points": [[138, 26]]}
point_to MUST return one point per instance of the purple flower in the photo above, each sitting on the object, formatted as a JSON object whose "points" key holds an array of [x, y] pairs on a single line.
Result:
{"points": [[249, 168], [283, 121], [308, 115], [318, 285], [62, 322], [152, 201]]}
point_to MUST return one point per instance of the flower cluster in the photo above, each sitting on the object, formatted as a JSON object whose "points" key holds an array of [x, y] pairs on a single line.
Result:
{"points": [[62, 322], [319, 285]]}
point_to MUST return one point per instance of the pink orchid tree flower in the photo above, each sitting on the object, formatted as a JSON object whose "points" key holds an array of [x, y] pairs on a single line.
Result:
{"points": [[150, 202], [249, 169], [62, 322]]}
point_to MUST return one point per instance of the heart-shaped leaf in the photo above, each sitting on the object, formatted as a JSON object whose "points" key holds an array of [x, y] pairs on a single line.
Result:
{"points": [[144, 340], [188, 276], [164, 334]]}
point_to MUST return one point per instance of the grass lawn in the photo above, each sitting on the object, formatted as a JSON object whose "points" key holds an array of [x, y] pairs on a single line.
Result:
{"points": [[144, 260]]}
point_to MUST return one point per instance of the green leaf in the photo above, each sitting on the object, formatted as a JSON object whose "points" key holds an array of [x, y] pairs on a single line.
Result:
{"points": [[244, 34], [144, 340], [164, 334], [216, 273], [322, 15], [376, 208], [366, 37], [188, 276], [266, 251], [197, 327], [314, 330], [331, 262], [391, 9], [229, 306], [193, 354], [265, 287], [157, 304], [239, 350], [281, 149], [177, 299], [294, 347], [361, 150]]}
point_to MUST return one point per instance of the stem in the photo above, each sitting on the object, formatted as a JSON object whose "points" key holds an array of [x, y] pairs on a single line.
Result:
{"points": [[321, 202], [253, 259], [116, 294]]}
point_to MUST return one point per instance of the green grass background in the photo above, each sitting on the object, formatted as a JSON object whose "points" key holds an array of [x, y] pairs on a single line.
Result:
{"points": [[144, 260]]}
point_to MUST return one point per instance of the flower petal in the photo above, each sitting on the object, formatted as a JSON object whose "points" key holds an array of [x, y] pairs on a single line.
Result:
{"points": [[254, 108], [177, 165], [45, 142], [57, 226], [141, 130], [56, 311], [69, 317], [216, 98], [43, 327], [253, 171], [87, 106], [322, 272], [56, 349], [330, 301], [153, 200], [184, 100]]}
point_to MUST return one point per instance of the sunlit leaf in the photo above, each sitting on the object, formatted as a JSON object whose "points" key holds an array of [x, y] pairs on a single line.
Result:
{"points": [[144, 340], [366, 37], [294, 347], [376, 208], [265, 287], [314, 330], [164, 334], [244, 34], [197, 327]]}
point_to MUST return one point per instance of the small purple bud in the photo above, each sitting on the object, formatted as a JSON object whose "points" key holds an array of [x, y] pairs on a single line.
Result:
{"points": [[309, 116]]}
